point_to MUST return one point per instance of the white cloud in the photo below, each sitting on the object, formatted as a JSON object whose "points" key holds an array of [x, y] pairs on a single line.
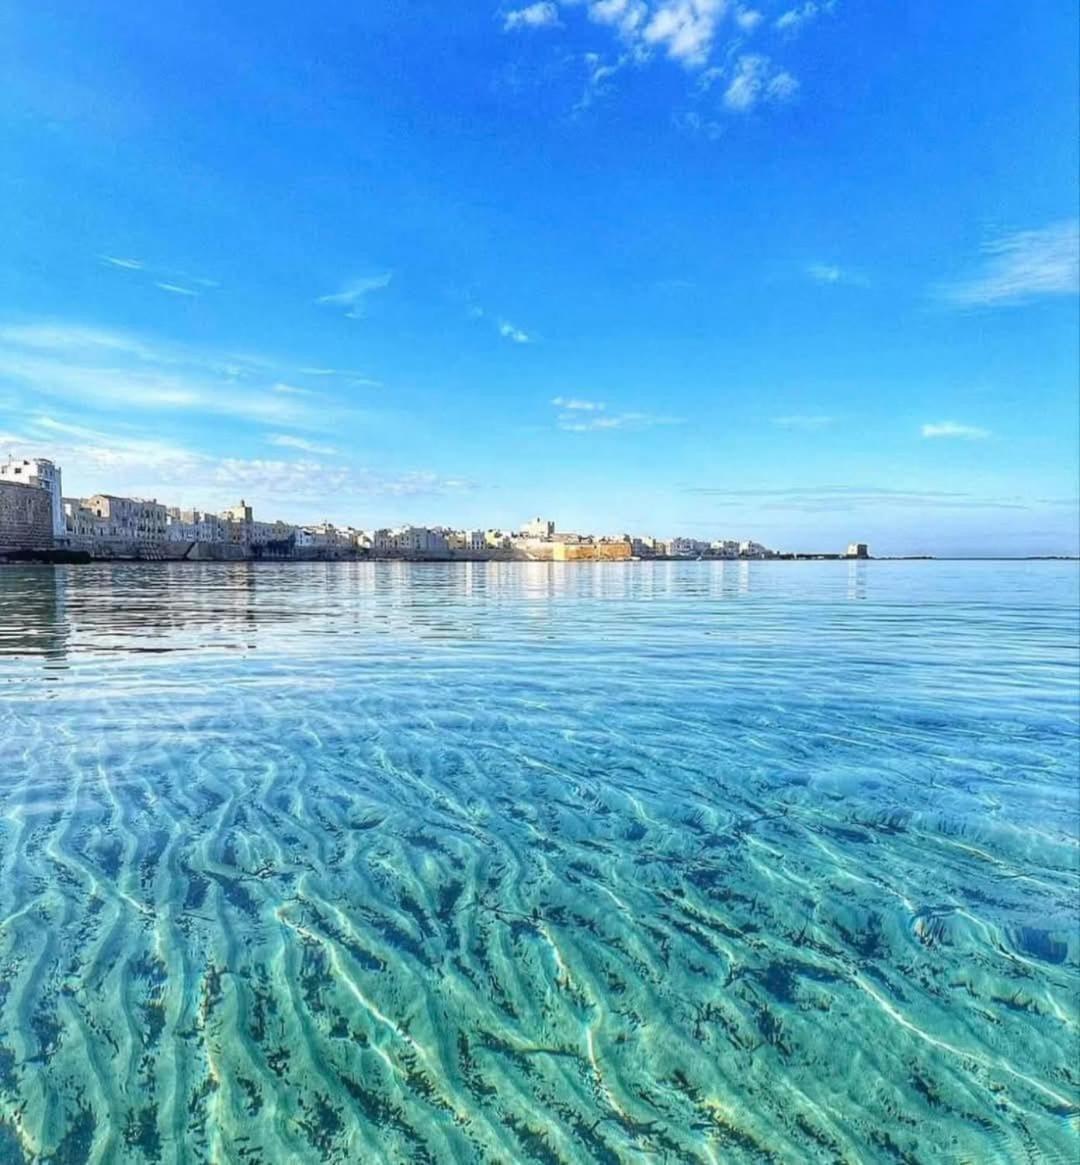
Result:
{"points": [[824, 272], [685, 29], [288, 441], [175, 288], [540, 15], [627, 16], [116, 371], [952, 429], [808, 423], [694, 123], [131, 464], [597, 75], [833, 274], [355, 293], [580, 416], [599, 422], [125, 264], [755, 79], [796, 19], [509, 332], [575, 404], [690, 33], [1021, 266]]}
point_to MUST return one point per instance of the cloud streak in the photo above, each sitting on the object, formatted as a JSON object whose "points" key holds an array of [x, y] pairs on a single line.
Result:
{"points": [[953, 429], [833, 275], [1022, 266], [117, 371], [175, 288], [583, 416], [576, 404], [842, 498], [124, 264], [162, 278], [353, 296], [289, 441]]}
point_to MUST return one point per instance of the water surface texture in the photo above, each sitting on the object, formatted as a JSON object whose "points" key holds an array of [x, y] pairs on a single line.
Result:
{"points": [[758, 862]]}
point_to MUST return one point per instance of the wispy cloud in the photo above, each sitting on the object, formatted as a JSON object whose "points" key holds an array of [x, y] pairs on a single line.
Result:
{"points": [[164, 278], [839, 499], [348, 375], [353, 295], [175, 288], [807, 423], [118, 371], [953, 429], [509, 331], [1022, 266], [134, 464], [578, 416], [289, 441], [795, 19], [756, 79], [543, 14], [575, 404], [125, 264], [832, 274]]}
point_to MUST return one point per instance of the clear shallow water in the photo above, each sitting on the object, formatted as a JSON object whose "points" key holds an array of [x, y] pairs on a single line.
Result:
{"points": [[556, 863]]}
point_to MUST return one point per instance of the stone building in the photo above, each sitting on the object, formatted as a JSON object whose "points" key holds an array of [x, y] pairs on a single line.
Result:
{"points": [[26, 520], [130, 519], [45, 474]]}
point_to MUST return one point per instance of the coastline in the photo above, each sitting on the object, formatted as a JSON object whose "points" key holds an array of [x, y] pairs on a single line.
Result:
{"points": [[82, 558]]}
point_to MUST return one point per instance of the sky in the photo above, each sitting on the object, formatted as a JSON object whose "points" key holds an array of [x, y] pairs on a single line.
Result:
{"points": [[798, 272]]}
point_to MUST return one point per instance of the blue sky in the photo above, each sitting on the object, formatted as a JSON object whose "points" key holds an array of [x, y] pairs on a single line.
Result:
{"points": [[801, 272]]}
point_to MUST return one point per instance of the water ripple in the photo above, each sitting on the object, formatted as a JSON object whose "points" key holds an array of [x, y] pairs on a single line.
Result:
{"points": [[648, 863]]}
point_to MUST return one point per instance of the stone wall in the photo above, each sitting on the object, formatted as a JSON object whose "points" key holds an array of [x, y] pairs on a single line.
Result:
{"points": [[26, 520]]}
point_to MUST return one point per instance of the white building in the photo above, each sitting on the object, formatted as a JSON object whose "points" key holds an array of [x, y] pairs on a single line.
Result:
{"points": [[542, 528], [45, 474], [410, 541], [686, 547], [195, 526], [724, 548], [466, 541]]}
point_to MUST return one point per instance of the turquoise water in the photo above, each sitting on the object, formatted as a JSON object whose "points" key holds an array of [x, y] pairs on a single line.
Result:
{"points": [[539, 862]]}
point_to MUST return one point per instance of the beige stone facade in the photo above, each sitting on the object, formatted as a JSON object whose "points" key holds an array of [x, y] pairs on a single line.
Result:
{"points": [[26, 519]]}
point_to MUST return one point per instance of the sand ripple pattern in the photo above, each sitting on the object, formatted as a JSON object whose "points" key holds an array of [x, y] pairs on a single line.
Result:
{"points": [[553, 863]]}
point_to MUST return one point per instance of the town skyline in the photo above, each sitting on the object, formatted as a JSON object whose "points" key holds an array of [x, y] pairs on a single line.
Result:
{"points": [[37, 515], [800, 269]]}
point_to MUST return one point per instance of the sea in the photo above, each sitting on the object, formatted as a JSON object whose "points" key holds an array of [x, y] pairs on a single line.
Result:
{"points": [[714, 862]]}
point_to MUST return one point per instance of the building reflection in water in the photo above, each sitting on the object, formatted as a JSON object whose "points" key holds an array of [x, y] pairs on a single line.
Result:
{"points": [[55, 612]]}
